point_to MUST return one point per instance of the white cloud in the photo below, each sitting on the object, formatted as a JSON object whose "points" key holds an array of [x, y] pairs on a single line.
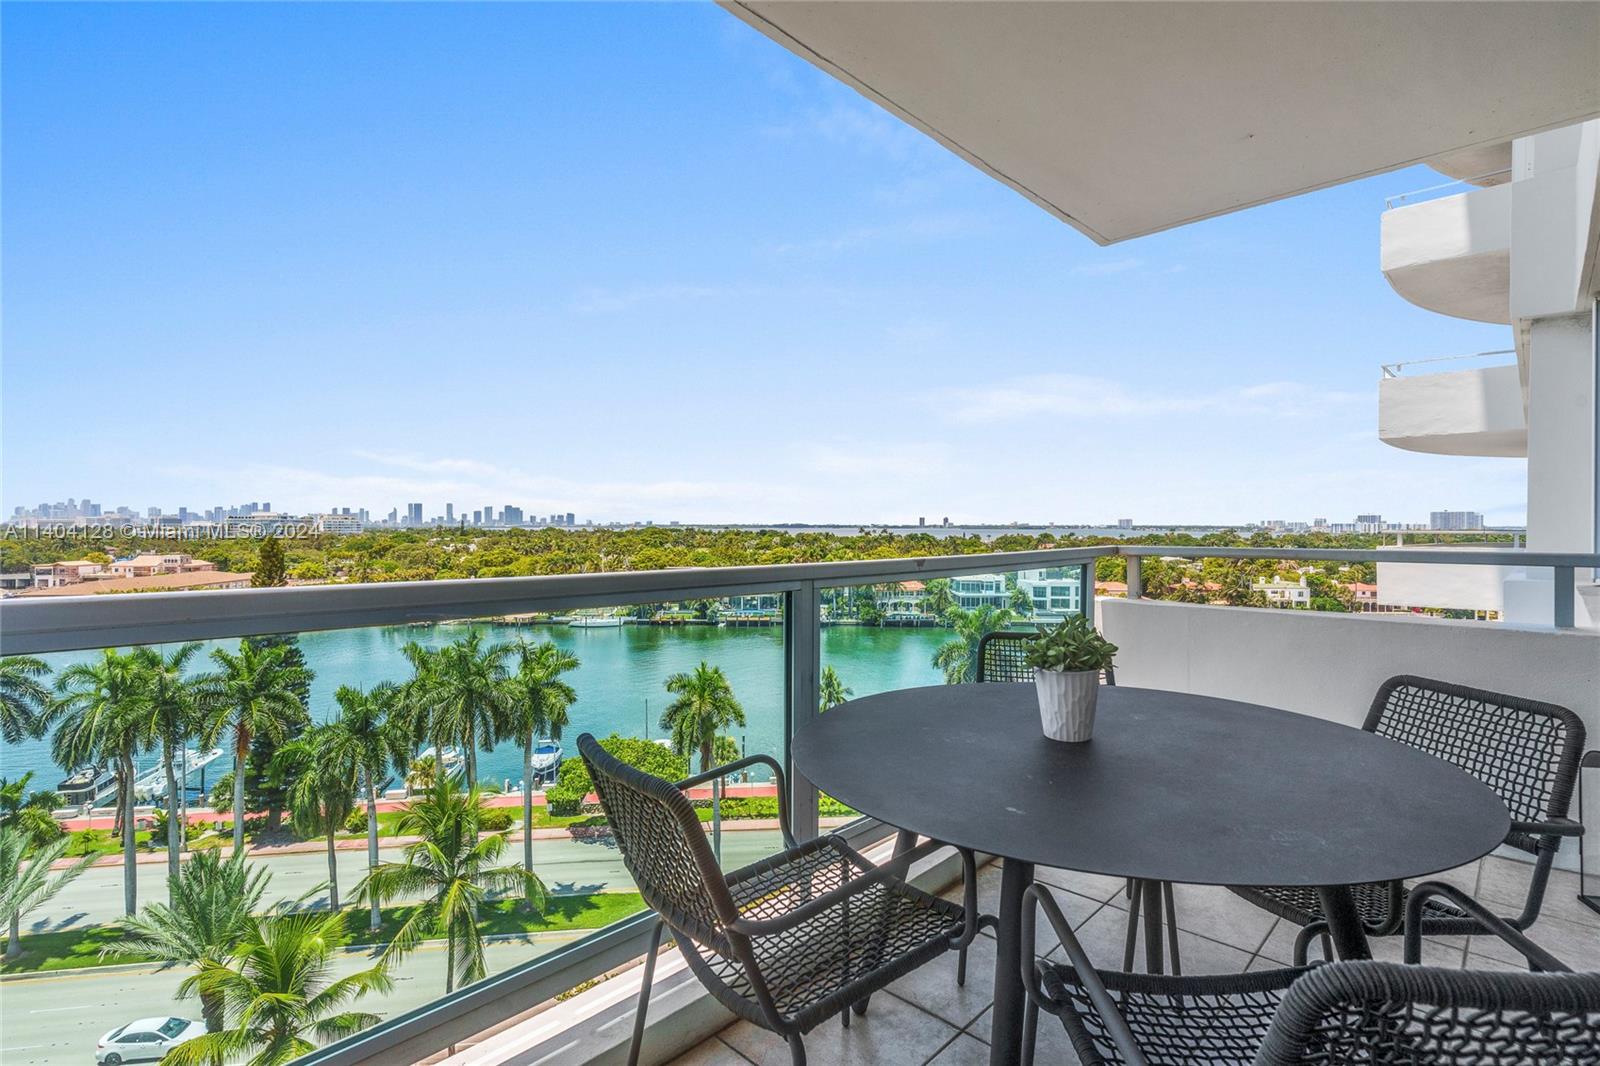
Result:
{"points": [[1082, 396]]}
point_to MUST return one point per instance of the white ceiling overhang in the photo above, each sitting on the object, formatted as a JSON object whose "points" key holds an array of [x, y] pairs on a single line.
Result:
{"points": [[1124, 118]]}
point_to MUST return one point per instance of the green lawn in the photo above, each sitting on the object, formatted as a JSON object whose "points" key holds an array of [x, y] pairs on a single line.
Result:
{"points": [[75, 948]]}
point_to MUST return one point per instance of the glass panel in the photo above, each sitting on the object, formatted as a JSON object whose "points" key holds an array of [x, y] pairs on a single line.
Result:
{"points": [[399, 682]]}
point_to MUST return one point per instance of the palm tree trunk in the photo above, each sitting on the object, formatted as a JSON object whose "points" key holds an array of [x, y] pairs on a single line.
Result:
{"points": [[527, 805], [470, 750], [241, 755], [450, 961], [174, 815], [372, 846], [211, 1011], [130, 884], [14, 936], [333, 872]]}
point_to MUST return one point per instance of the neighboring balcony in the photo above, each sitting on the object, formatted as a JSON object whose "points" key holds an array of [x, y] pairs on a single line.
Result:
{"points": [[1452, 255], [1460, 412]]}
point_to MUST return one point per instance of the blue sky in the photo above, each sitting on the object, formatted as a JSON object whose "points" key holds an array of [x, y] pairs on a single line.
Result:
{"points": [[639, 262]]}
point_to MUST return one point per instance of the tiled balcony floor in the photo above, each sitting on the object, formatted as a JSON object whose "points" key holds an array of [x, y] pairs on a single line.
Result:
{"points": [[926, 1019]]}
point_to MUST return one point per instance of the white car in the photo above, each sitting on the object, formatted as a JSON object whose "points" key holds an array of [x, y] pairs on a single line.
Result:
{"points": [[145, 1040]]}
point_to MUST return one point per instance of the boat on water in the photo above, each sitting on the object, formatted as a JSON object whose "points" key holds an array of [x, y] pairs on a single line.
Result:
{"points": [[87, 784], [547, 755], [595, 621], [451, 761]]}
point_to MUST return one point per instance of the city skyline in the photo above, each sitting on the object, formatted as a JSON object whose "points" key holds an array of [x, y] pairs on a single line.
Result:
{"points": [[752, 296]]}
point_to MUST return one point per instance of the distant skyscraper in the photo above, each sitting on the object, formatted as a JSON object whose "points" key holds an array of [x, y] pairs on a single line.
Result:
{"points": [[511, 516], [477, 518], [449, 512], [1124, 523], [414, 514], [1456, 520], [572, 519], [266, 505], [922, 521], [488, 516]]}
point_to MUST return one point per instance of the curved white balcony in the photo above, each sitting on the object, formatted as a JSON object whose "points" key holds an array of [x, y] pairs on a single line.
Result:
{"points": [[1453, 255], [1464, 412]]}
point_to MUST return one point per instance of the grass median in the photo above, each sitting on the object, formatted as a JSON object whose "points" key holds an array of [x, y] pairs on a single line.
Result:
{"points": [[73, 949]]}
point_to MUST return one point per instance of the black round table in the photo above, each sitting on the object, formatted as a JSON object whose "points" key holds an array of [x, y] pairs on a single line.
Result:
{"points": [[1174, 787]]}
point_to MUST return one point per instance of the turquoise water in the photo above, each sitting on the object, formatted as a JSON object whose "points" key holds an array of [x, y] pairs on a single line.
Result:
{"points": [[619, 684]]}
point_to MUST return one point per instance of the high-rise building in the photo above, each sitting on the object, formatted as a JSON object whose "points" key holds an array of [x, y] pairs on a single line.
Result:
{"points": [[477, 518], [488, 516], [1124, 523], [449, 512], [414, 514], [922, 521], [1455, 520], [572, 519], [511, 516], [1369, 523]]}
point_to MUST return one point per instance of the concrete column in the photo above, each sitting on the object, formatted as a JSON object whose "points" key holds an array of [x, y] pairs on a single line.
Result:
{"points": [[1561, 427]]}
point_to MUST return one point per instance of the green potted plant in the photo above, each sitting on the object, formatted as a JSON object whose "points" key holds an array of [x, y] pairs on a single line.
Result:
{"points": [[1067, 661]]}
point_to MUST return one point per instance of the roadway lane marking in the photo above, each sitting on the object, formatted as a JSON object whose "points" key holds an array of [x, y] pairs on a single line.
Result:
{"points": [[53, 1010]]}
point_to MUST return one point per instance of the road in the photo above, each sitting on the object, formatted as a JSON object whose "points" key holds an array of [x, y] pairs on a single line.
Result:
{"points": [[567, 867], [55, 1021]]}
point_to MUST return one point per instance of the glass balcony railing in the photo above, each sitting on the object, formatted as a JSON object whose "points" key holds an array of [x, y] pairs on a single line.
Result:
{"points": [[442, 685]]}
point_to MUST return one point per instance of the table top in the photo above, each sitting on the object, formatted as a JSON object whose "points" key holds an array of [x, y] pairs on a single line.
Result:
{"points": [[1173, 787]]}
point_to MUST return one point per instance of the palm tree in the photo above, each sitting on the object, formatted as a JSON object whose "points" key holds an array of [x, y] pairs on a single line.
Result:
{"points": [[458, 694], [256, 691], [957, 657], [27, 883], [705, 707], [370, 728], [99, 717], [23, 696], [537, 708], [451, 868], [208, 910], [277, 990], [30, 813], [831, 690], [169, 709], [939, 600], [324, 792]]}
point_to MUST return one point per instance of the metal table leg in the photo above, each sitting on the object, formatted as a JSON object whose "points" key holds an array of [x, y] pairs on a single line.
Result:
{"points": [[1005, 1036], [1349, 936]]}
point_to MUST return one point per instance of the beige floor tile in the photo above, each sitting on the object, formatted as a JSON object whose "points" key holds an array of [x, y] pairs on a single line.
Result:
{"points": [[1504, 888], [1095, 886], [1220, 915], [1103, 936], [933, 987], [963, 1051], [711, 1053], [894, 1033], [1576, 945], [1052, 1047]]}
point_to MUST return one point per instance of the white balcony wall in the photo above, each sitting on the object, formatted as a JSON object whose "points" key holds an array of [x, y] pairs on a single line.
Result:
{"points": [[1464, 588], [1463, 412], [1453, 255], [1330, 665]]}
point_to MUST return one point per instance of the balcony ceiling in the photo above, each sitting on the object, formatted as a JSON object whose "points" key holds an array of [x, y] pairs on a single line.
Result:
{"points": [[1124, 119]]}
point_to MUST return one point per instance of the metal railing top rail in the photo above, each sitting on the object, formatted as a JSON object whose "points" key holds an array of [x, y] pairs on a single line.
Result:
{"points": [[71, 623], [1415, 195], [1464, 555], [1392, 370]]}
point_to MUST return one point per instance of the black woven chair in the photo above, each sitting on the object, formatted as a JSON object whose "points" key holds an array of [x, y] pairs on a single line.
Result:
{"points": [[1336, 1013], [786, 942], [1526, 751]]}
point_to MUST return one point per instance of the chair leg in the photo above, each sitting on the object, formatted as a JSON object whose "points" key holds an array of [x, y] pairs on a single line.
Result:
{"points": [[644, 993], [1030, 1030], [961, 967], [844, 1018], [1132, 940], [860, 1006], [797, 1049]]}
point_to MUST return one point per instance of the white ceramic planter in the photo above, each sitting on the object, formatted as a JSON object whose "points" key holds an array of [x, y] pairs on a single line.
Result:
{"points": [[1066, 703]]}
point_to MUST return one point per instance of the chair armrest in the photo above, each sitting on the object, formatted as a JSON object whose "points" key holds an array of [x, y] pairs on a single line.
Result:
{"points": [[770, 763], [853, 887], [1538, 957], [1037, 898], [1555, 827]]}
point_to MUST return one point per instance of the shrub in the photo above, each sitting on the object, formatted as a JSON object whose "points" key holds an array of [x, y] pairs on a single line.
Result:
{"points": [[497, 819], [357, 822], [572, 783]]}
